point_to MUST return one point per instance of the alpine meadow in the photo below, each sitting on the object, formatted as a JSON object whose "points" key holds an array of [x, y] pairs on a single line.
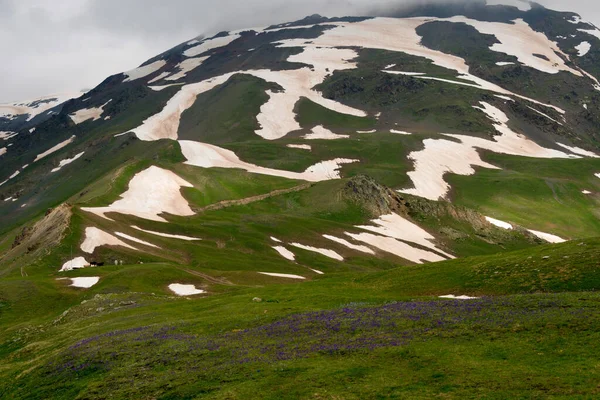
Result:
{"points": [[395, 206]]}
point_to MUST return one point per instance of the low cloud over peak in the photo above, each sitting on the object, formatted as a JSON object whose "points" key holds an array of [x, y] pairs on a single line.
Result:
{"points": [[51, 46]]}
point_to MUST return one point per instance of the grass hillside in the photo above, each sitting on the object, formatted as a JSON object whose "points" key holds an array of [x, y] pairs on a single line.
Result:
{"points": [[231, 281]]}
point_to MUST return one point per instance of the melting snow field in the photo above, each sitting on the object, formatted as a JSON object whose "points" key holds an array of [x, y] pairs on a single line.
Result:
{"points": [[383, 33], [185, 290], [463, 297], [547, 237], [520, 40], [10, 177], [498, 223], [210, 44], [208, 156], [397, 227], [277, 117], [285, 253], [136, 240], [151, 193], [88, 113], [283, 275], [321, 133], [442, 156], [67, 161], [583, 48], [542, 235], [397, 247], [593, 32], [400, 132], [579, 151], [142, 72], [94, 238], [85, 283], [185, 67], [295, 146], [167, 235], [393, 235], [77, 263], [55, 148], [35, 107], [325, 252], [344, 242]]}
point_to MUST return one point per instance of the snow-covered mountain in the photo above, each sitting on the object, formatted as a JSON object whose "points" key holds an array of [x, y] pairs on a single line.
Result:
{"points": [[327, 150]]}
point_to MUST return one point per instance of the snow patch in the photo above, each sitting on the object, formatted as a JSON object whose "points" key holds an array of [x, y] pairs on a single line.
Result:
{"points": [[283, 275], [383, 33], [185, 290], [397, 227], [579, 151], [285, 253], [35, 107], [520, 40], [136, 240], [210, 44], [504, 63], [185, 67], [76, 263], [400, 132], [209, 156], [94, 238], [297, 146], [344, 242], [586, 192], [142, 72], [55, 148], [163, 87], [167, 235], [442, 156], [405, 73], [371, 131], [8, 135], [160, 76], [583, 48], [397, 247], [325, 252], [85, 283], [498, 223], [67, 161], [10, 177], [151, 193], [547, 237], [322, 133], [593, 32], [88, 113], [463, 297]]}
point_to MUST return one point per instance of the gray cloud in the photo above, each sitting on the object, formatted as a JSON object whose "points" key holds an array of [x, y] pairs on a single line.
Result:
{"points": [[51, 46]]}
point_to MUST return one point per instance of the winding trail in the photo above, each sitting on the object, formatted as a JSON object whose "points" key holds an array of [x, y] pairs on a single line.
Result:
{"points": [[211, 279], [253, 199]]}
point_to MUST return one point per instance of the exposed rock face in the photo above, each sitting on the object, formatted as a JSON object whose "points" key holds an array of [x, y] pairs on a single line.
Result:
{"points": [[374, 197], [46, 233], [380, 200]]}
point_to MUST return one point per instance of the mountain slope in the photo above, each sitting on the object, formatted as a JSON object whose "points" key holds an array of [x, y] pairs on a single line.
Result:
{"points": [[434, 150]]}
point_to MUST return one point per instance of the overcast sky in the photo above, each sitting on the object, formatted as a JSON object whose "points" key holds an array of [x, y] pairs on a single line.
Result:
{"points": [[55, 46]]}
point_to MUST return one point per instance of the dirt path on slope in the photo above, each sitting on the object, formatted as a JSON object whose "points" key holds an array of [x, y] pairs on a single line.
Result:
{"points": [[253, 199], [211, 279]]}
